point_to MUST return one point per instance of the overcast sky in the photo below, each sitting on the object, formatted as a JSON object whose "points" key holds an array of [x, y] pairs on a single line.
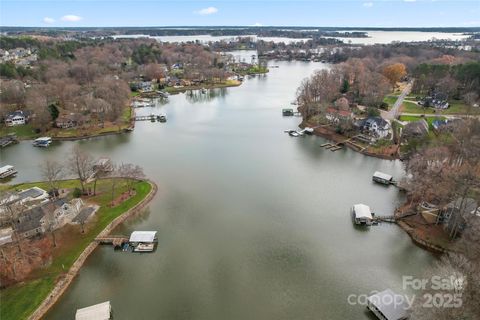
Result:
{"points": [[352, 13]]}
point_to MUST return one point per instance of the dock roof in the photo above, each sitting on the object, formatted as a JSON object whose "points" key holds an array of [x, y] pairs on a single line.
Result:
{"points": [[143, 236], [101, 311], [382, 175], [5, 168], [362, 211], [390, 307]]}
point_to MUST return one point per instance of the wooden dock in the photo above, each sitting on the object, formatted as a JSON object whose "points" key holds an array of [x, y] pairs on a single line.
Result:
{"points": [[331, 147], [151, 117], [116, 241], [390, 219], [7, 140]]}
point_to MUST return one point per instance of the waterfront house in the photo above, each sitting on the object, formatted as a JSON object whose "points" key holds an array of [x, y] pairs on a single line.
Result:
{"points": [[29, 223], [335, 116], [415, 129], [71, 120], [16, 118], [375, 126], [101, 311], [362, 215], [386, 305], [65, 212]]}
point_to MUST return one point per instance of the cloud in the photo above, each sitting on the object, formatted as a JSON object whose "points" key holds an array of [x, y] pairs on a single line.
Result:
{"points": [[206, 11], [71, 18], [368, 4], [257, 24], [409, 0], [48, 20]]}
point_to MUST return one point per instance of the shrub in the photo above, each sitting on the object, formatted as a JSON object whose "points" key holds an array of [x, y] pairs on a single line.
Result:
{"points": [[77, 193]]}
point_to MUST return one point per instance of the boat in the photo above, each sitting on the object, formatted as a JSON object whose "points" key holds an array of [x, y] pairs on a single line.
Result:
{"points": [[287, 112], [308, 130], [204, 90], [293, 133], [7, 171], [42, 142], [162, 118], [144, 247]]}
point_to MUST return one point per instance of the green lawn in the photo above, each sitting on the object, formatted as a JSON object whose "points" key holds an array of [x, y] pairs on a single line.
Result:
{"points": [[456, 107], [416, 118], [19, 301], [22, 131]]}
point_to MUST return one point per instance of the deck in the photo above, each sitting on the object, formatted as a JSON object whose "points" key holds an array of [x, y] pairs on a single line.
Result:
{"points": [[116, 241]]}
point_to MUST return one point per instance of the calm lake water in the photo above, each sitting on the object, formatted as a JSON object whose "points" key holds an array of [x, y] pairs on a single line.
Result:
{"points": [[252, 223], [374, 37]]}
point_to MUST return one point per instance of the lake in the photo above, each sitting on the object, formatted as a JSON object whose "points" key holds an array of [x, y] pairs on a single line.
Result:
{"points": [[374, 37], [252, 223]]}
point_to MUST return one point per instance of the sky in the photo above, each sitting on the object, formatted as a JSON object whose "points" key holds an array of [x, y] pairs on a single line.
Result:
{"points": [[323, 13]]}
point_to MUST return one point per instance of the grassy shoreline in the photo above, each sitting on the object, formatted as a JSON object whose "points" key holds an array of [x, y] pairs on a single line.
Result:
{"points": [[21, 300], [226, 84], [27, 132]]}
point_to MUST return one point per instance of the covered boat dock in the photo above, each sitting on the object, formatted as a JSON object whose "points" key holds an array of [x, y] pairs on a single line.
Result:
{"points": [[387, 305], [382, 178], [101, 311], [143, 241]]}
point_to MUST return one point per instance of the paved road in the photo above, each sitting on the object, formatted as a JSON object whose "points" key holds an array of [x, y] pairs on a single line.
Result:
{"points": [[394, 112]]}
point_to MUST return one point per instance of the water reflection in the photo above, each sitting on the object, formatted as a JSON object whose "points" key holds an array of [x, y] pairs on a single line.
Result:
{"points": [[205, 95]]}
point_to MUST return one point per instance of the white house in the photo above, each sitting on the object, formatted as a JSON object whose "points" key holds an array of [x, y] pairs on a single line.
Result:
{"points": [[16, 118], [66, 211], [376, 126]]}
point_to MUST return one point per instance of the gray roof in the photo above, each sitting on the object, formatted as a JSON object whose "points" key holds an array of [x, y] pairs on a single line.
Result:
{"points": [[33, 193], [84, 215], [30, 220], [387, 304]]}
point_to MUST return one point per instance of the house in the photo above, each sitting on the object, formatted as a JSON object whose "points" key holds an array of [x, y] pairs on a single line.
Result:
{"points": [[142, 86], [65, 212], [386, 305], [375, 126], [415, 129], [436, 100], [334, 115], [456, 214], [445, 125], [28, 197], [30, 223], [16, 118], [72, 120]]}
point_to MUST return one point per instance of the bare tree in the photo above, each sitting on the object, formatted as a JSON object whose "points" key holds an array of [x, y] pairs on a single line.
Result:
{"points": [[80, 163], [132, 173], [52, 171]]}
